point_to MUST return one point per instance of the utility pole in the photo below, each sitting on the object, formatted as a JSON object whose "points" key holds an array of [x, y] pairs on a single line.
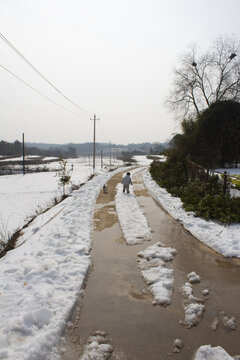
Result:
{"points": [[23, 154], [94, 140], [101, 159], [110, 155]]}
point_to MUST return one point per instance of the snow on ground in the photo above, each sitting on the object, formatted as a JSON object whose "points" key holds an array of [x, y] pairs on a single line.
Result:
{"points": [[142, 160], [232, 171], [98, 347], [133, 223], [41, 279], [28, 157], [193, 307], [207, 352], [154, 272], [193, 313], [193, 277], [23, 196], [223, 239]]}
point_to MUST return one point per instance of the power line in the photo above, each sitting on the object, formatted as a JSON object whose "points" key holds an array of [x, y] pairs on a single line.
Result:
{"points": [[103, 132], [16, 109], [46, 97], [38, 72]]}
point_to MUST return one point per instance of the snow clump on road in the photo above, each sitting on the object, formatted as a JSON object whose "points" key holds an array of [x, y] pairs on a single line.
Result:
{"points": [[153, 269], [193, 277], [193, 314], [206, 352], [177, 346], [98, 347], [193, 307]]}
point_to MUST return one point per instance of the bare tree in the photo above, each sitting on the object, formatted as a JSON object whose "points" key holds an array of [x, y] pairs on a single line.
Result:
{"points": [[203, 79]]}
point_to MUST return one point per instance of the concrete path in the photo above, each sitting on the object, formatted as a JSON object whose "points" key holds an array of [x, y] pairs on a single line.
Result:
{"points": [[115, 302]]}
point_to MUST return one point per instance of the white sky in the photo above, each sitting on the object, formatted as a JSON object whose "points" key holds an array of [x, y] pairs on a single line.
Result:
{"points": [[113, 58]]}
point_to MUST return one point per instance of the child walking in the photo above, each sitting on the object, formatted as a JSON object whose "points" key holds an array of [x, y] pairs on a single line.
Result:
{"points": [[126, 181]]}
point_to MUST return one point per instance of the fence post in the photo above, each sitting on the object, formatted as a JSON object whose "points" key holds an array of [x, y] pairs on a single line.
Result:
{"points": [[225, 182]]}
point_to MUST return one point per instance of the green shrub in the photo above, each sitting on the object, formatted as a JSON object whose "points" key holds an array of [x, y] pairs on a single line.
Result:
{"points": [[206, 199], [170, 175], [63, 174], [220, 207]]}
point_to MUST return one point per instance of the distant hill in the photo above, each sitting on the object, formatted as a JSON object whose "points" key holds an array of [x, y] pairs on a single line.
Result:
{"points": [[82, 149], [74, 150]]}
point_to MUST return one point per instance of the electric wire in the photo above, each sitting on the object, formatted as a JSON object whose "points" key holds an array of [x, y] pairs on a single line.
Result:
{"points": [[39, 73], [103, 132], [40, 93], [17, 109]]}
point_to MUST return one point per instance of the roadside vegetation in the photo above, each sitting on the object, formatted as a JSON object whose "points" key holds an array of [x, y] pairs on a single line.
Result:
{"points": [[205, 198], [126, 157], [206, 94]]}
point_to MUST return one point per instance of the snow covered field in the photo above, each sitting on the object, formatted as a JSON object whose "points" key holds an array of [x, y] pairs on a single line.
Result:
{"points": [[24, 196]]}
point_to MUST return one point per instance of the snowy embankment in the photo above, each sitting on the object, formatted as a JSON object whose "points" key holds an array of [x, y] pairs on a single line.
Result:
{"points": [[41, 279], [223, 239]]}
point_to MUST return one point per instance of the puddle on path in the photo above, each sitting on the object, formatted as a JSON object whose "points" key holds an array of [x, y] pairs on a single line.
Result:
{"points": [[105, 217], [114, 300]]}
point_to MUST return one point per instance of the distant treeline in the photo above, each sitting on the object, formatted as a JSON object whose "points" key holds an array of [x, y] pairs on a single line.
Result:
{"points": [[116, 149], [16, 149], [74, 150], [7, 148]]}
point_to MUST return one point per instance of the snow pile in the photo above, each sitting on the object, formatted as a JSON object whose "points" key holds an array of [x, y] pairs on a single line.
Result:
{"points": [[193, 277], [131, 218], [157, 251], [223, 239], [177, 346], [154, 272], [193, 307], [193, 314], [187, 291], [41, 279], [207, 352], [222, 319], [227, 322], [98, 347]]}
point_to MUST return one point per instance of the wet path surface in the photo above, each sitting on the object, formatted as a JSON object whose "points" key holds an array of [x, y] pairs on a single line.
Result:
{"points": [[114, 300]]}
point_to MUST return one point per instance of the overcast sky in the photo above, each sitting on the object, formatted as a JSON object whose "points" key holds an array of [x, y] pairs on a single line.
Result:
{"points": [[113, 58]]}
